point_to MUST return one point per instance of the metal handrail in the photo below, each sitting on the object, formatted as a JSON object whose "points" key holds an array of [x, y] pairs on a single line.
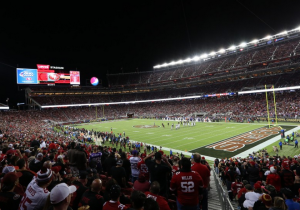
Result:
{"points": [[223, 195]]}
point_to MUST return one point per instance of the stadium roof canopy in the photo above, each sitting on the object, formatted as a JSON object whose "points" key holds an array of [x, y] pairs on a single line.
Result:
{"points": [[231, 49]]}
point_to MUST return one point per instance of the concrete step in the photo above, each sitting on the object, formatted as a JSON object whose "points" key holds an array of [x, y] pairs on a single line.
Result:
{"points": [[213, 196]]}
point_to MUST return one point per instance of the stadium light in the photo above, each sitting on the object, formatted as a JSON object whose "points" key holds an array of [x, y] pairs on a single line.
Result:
{"points": [[243, 44], [196, 58], [221, 50], [254, 41], [282, 33], [232, 47], [180, 61], [187, 60], [203, 56], [4, 107]]}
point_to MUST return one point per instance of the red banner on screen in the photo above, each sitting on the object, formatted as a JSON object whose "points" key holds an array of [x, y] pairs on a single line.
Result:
{"points": [[74, 77], [43, 66]]}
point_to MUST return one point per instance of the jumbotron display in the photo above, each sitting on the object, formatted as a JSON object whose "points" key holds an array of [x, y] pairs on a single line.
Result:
{"points": [[46, 74]]}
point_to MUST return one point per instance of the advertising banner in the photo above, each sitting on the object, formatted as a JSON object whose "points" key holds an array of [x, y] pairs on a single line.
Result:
{"points": [[27, 76]]}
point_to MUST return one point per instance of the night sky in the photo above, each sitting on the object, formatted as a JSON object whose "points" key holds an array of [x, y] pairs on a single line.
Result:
{"points": [[129, 36]]}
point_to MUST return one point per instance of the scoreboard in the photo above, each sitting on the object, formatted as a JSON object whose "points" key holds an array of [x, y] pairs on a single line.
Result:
{"points": [[46, 74]]}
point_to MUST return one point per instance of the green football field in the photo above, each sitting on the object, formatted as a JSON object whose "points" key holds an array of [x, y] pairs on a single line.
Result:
{"points": [[187, 138]]}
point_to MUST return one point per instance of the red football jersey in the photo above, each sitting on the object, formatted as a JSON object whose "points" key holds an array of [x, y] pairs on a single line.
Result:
{"points": [[113, 205], [187, 185], [203, 171], [174, 169], [161, 201], [143, 169], [236, 187]]}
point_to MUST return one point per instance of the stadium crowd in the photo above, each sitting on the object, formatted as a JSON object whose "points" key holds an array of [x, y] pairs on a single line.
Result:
{"points": [[261, 181], [233, 107], [53, 167], [285, 80]]}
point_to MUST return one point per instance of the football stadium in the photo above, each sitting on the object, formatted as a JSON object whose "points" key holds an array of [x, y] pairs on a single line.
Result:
{"points": [[225, 120]]}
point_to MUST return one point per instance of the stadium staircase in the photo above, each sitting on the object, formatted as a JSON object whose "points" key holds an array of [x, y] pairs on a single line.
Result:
{"points": [[218, 196], [213, 196]]}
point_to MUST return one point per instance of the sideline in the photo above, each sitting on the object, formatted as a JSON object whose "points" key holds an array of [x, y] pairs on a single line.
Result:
{"points": [[179, 151]]}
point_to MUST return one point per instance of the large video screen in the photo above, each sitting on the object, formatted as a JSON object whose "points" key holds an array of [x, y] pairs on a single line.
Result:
{"points": [[74, 77], [27, 76], [44, 75]]}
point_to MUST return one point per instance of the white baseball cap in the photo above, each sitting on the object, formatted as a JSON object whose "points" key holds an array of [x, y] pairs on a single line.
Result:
{"points": [[8, 169], [60, 192]]}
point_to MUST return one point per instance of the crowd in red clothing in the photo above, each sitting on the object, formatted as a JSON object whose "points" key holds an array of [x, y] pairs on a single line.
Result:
{"points": [[248, 179], [43, 168]]}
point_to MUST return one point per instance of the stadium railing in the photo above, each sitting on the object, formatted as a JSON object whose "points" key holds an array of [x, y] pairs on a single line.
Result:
{"points": [[223, 194]]}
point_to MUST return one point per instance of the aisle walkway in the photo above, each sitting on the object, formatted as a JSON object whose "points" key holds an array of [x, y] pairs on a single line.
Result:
{"points": [[214, 202]]}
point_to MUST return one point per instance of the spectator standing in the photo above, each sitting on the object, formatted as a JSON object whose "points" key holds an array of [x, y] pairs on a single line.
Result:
{"points": [[134, 160], [230, 178], [72, 159], [154, 194], [8, 199], [60, 196], [36, 164], [288, 196], [137, 200], [143, 167], [287, 176], [114, 202], [274, 179], [119, 174], [216, 165], [189, 186], [81, 159], [96, 158], [159, 171], [27, 175], [80, 185], [280, 145], [36, 193], [252, 197], [92, 197], [141, 184], [205, 175], [109, 163], [126, 165], [253, 173]]}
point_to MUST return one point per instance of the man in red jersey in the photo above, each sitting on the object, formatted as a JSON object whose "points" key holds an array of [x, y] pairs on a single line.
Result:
{"points": [[189, 186], [236, 186], [143, 167], [274, 178], [114, 203], [205, 175], [154, 194]]}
